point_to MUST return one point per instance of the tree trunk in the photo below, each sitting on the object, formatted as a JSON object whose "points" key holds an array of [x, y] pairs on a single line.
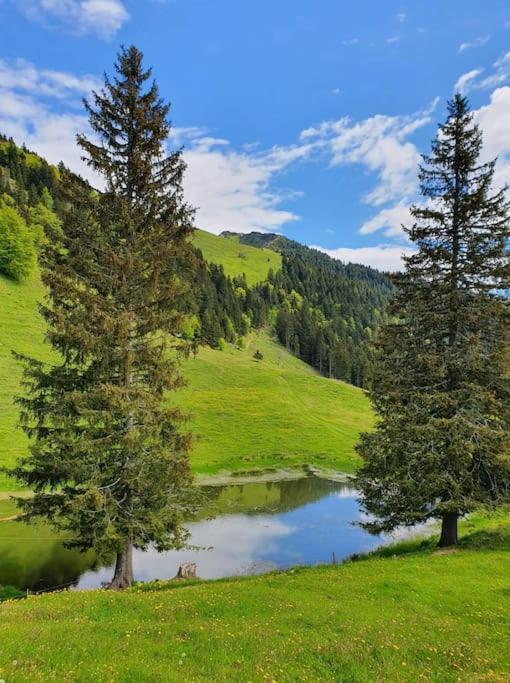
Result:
{"points": [[449, 534], [123, 576]]}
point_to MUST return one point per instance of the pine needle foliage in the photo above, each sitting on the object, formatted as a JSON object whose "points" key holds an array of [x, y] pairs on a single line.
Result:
{"points": [[441, 385], [109, 456]]}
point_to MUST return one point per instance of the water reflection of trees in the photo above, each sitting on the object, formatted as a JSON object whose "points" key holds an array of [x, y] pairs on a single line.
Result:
{"points": [[266, 497], [31, 559]]}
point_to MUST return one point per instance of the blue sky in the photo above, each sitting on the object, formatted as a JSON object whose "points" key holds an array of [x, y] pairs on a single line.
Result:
{"points": [[301, 117]]}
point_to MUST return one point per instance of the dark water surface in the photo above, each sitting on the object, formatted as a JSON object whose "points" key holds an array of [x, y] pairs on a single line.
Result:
{"points": [[243, 528]]}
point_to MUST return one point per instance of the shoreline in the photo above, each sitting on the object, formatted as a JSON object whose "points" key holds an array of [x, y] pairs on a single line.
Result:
{"points": [[227, 478], [270, 475]]}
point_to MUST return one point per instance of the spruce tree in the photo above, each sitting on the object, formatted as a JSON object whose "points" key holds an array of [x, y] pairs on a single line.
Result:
{"points": [[440, 385], [109, 459]]}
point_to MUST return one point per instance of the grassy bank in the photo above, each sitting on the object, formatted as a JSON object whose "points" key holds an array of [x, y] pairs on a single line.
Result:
{"points": [[428, 615]]}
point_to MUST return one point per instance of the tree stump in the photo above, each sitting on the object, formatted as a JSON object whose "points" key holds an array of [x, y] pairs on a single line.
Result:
{"points": [[187, 570]]}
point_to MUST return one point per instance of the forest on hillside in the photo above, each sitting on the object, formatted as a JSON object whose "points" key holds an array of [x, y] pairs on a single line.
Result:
{"points": [[323, 311], [326, 311]]}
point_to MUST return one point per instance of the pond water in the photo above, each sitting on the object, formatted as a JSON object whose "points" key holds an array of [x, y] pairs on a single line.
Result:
{"points": [[242, 529]]}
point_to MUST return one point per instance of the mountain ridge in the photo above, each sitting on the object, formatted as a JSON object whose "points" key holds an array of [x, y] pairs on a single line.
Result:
{"points": [[284, 245]]}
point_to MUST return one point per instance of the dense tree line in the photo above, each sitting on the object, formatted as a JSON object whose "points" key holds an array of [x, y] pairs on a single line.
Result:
{"points": [[329, 312], [24, 175], [27, 207], [324, 311], [218, 305]]}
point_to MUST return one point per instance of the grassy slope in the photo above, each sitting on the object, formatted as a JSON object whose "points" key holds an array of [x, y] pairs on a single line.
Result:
{"points": [[423, 616], [20, 329], [277, 412], [237, 258]]}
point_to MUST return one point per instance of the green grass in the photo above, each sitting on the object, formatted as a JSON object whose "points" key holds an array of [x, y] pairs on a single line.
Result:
{"points": [[21, 329], [423, 616], [7, 509], [276, 412], [246, 414], [237, 258]]}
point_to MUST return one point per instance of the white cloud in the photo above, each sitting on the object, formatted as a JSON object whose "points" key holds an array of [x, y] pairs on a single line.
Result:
{"points": [[23, 76], [349, 42], [392, 39], [494, 120], [38, 108], [380, 144], [231, 189], [181, 134], [234, 188], [103, 17], [472, 81], [501, 73], [386, 257], [336, 91], [390, 220], [464, 82], [477, 42], [401, 17]]}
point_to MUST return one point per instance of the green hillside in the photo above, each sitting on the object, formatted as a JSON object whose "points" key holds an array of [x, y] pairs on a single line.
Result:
{"points": [[426, 615], [237, 258], [272, 413], [276, 412], [21, 329]]}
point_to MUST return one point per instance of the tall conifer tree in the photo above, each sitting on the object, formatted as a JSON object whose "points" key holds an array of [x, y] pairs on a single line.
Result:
{"points": [[441, 387], [109, 461]]}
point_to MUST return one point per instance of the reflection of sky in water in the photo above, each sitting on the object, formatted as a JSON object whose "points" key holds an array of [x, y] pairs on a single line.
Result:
{"points": [[230, 544], [254, 527], [240, 543], [321, 529]]}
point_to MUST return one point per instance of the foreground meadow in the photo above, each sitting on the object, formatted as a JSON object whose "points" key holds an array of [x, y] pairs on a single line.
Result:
{"points": [[410, 614]]}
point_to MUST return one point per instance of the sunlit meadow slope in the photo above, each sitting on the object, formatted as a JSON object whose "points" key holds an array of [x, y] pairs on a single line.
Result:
{"points": [[21, 330], [276, 412], [237, 258]]}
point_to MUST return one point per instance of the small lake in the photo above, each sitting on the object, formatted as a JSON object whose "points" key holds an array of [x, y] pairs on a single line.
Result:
{"points": [[242, 529]]}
